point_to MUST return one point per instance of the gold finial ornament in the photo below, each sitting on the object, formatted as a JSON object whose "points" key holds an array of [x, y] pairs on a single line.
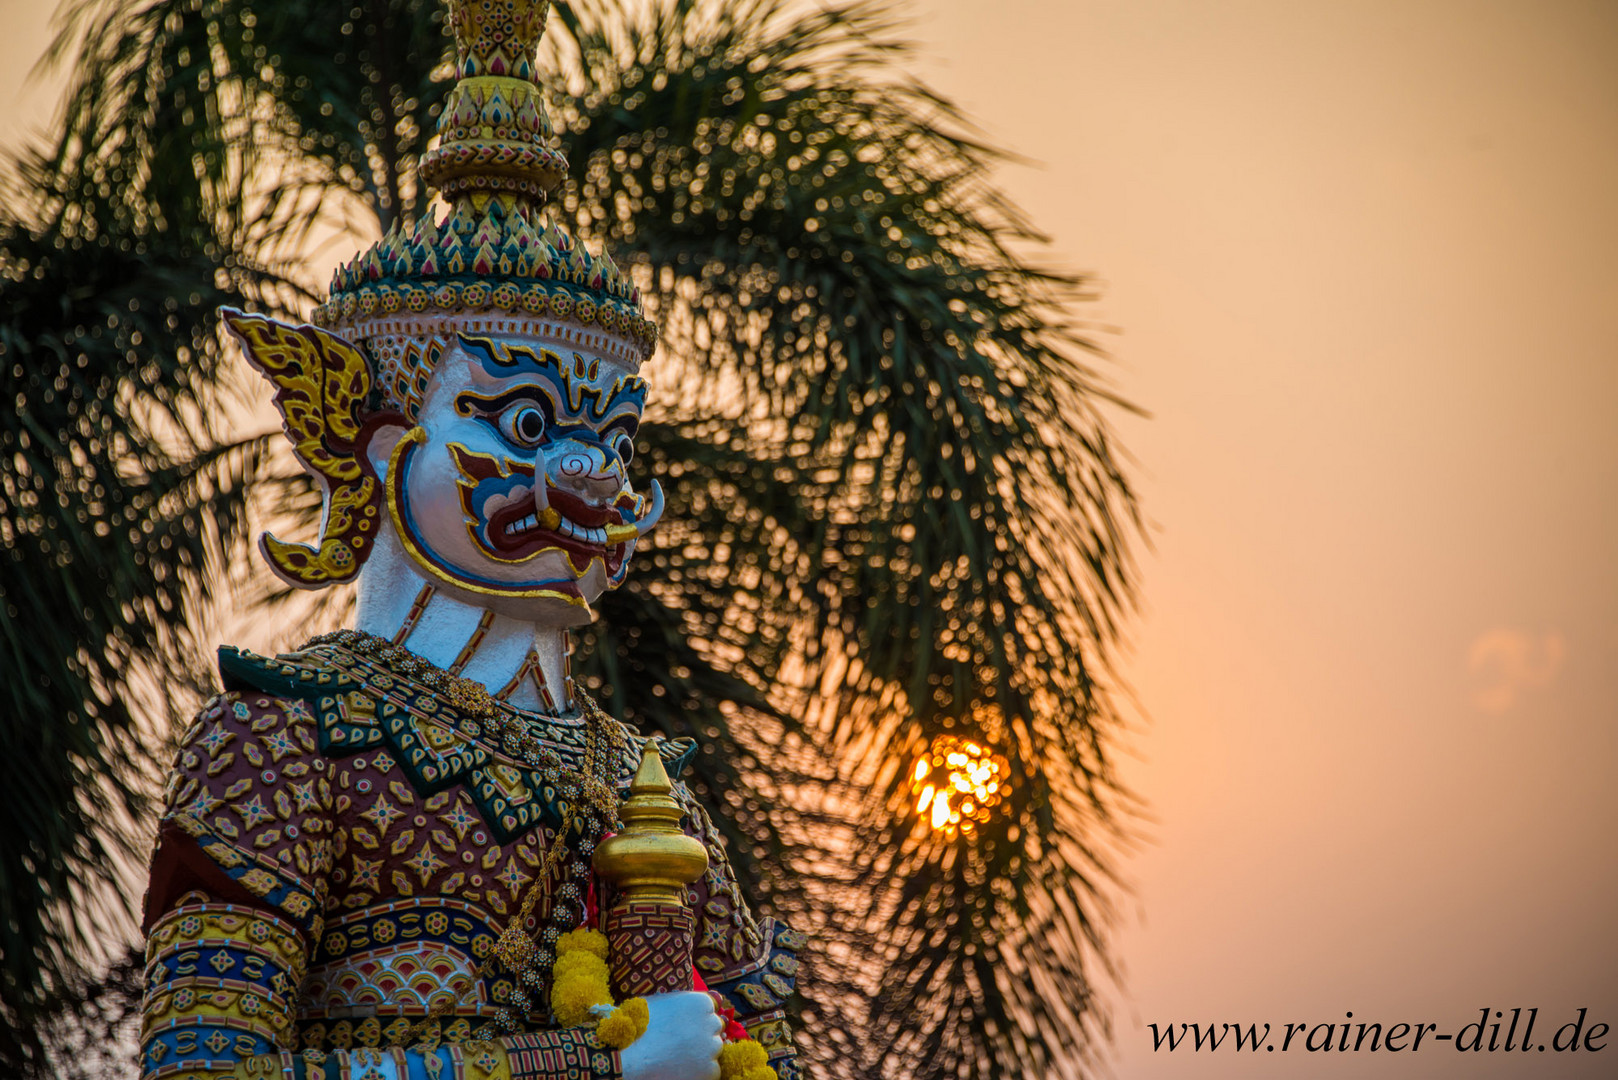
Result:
{"points": [[651, 859], [650, 930], [497, 37]]}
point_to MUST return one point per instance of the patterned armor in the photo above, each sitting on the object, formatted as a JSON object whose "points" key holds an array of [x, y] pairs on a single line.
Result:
{"points": [[340, 849]]}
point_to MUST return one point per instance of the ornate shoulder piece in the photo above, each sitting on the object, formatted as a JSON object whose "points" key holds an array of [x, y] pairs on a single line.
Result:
{"points": [[304, 676], [322, 384]]}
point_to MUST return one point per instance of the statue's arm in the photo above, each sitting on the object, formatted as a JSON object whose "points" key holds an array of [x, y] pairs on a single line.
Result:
{"points": [[237, 888], [751, 963]]}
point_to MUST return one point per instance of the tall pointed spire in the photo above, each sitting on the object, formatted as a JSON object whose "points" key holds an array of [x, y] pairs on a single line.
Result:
{"points": [[494, 136]]}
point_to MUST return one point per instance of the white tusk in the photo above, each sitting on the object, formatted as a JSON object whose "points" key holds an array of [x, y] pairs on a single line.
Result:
{"points": [[542, 494], [649, 519], [618, 534]]}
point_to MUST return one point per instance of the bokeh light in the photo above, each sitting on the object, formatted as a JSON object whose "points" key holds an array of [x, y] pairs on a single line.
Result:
{"points": [[957, 783]]}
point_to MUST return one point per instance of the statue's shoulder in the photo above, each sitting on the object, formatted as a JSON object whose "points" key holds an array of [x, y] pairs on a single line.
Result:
{"points": [[676, 753], [294, 676], [266, 700], [310, 686], [249, 792], [252, 724]]}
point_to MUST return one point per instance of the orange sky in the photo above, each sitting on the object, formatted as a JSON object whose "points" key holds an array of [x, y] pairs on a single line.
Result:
{"points": [[1361, 258]]}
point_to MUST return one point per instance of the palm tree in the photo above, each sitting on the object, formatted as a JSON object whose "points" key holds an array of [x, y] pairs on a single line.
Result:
{"points": [[895, 513], [115, 493]]}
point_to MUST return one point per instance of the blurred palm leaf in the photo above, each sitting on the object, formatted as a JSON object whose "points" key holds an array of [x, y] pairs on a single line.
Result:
{"points": [[895, 510], [114, 496]]}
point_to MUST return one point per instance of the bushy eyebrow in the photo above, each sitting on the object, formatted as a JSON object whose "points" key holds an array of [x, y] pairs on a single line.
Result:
{"points": [[472, 403], [569, 386]]}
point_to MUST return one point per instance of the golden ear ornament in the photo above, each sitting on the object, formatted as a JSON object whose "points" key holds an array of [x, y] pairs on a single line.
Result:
{"points": [[322, 386]]}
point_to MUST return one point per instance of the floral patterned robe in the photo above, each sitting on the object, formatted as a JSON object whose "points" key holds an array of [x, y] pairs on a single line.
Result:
{"points": [[339, 850]]}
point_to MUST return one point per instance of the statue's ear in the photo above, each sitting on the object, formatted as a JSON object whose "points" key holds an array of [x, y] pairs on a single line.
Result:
{"points": [[378, 436], [322, 384]]}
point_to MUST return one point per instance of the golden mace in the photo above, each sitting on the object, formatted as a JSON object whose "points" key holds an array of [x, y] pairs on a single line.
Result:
{"points": [[650, 927]]}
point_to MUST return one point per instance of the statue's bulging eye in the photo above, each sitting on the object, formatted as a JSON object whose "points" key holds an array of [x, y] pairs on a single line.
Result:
{"points": [[625, 446], [523, 425]]}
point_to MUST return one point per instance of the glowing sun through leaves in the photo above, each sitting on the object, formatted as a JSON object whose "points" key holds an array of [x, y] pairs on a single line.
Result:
{"points": [[958, 783]]}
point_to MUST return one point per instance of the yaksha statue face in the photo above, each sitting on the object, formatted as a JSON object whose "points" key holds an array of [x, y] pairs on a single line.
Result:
{"points": [[470, 391], [513, 484]]}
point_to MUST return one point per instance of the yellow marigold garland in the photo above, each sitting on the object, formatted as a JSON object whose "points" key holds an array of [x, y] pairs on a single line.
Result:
{"points": [[625, 1024], [580, 986], [744, 1059]]}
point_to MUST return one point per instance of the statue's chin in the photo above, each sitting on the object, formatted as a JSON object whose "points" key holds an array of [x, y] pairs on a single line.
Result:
{"points": [[551, 592], [560, 611]]}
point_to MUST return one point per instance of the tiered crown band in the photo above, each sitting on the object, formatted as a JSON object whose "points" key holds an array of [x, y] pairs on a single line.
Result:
{"points": [[494, 254]]}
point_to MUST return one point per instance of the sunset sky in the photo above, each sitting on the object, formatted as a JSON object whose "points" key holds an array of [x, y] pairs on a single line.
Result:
{"points": [[1360, 259]]}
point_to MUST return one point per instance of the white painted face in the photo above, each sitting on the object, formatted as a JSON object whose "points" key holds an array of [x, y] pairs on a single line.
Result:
{"points": [[512, 489]]}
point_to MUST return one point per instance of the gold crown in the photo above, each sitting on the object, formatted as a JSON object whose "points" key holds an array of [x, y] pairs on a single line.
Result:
{"points": [[493, 257]]}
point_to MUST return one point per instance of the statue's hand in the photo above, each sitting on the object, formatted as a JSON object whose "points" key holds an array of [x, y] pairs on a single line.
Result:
{"points": [[682, 1040]]}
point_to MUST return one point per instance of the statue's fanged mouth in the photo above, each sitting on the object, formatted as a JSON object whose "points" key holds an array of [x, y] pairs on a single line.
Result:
{"points": [[583, 531], [514, 515]]}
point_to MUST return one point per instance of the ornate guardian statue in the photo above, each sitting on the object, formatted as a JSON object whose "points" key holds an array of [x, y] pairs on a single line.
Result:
{"points": [[414, 849]]}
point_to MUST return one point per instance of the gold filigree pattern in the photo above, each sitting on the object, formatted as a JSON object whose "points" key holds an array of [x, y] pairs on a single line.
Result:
{"points": [[322, 383]]}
